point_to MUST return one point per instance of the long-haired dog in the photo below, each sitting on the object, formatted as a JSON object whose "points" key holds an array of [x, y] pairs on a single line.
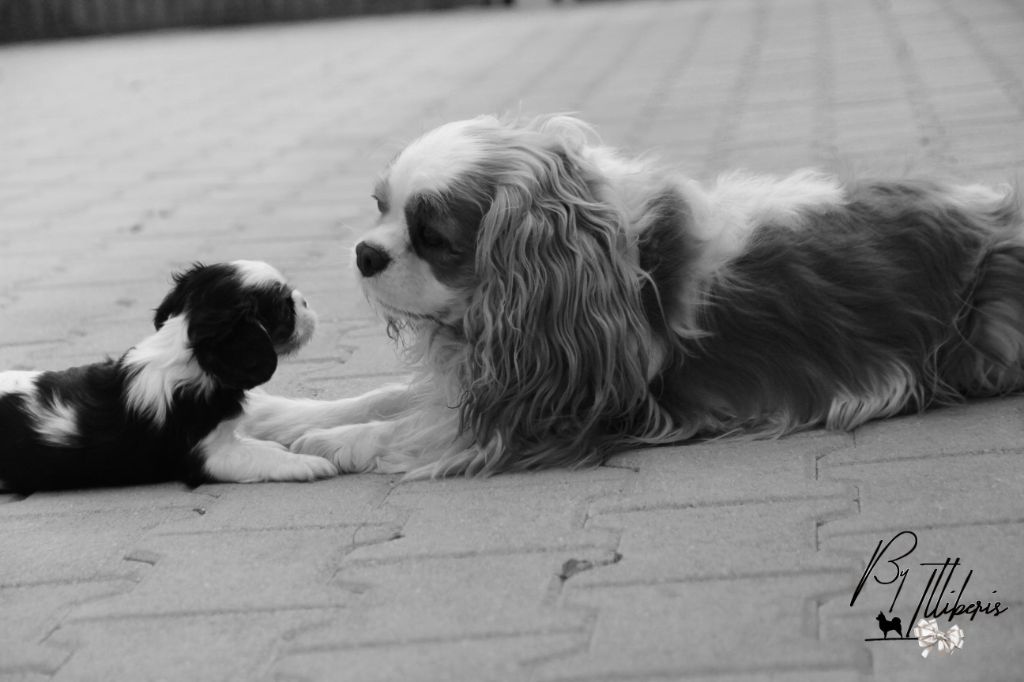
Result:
{"points": [[562, 301], [168, 408]]}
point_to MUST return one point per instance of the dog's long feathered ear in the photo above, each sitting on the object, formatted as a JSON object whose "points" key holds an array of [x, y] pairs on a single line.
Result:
{"points": [[557, 358], [232, 347]]}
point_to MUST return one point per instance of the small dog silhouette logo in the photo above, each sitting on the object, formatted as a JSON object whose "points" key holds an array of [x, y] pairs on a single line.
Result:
{"points": [[887, 626]]}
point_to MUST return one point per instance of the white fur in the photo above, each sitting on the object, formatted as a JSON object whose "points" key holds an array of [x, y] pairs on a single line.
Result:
{"points": [[234, 459], [726, 214], [406, 288], [889, 395], [430, 162], [284, 419], [255, 273], [17, 381], [162, 364], [56, 424]]}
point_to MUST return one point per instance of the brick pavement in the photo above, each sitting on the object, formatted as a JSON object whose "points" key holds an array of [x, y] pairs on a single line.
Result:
{"points": [[122, 159]]}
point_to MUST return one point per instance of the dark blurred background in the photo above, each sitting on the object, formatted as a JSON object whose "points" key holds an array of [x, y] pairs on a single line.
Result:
{"points": [[45, 19]]}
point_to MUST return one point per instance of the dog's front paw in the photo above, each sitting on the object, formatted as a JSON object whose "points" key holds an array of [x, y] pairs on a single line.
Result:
{"points": [[308, 468], [352, 448]]}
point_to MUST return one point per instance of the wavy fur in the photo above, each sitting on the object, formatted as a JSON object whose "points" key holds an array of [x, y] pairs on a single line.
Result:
{"points": [[566, 301]]}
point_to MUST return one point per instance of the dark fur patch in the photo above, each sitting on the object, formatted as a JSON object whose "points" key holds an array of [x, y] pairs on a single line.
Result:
{"points": [[810, 313], [443, 232], [666, 253]]}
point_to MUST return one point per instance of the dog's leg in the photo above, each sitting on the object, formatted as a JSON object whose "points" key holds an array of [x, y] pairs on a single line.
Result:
{"points": [[354, 448], [282, 420], [230, 458], [413, 442]]}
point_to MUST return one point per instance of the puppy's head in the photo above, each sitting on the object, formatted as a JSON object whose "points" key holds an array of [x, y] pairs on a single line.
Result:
{"points": [[240, 317]]}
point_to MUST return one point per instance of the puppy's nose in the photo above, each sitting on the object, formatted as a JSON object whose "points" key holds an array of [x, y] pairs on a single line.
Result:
{"points": [[370, 260]]}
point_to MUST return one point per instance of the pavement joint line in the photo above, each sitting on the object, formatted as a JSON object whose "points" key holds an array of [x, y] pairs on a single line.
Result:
{"points": [[678, 65], [524, 550], [327, 607], [825, 130], [384, 643], [548, 67], [1006, 78], [928, 526], [673, 505], [725, 131], [773, 671], [822, 520], [929, 456], [617, 60], [91, 580], [626, 583], [357, 526], [931, 131]]}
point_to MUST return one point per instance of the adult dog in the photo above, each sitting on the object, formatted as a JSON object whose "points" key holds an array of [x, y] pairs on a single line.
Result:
{"points": [[561, 301]]}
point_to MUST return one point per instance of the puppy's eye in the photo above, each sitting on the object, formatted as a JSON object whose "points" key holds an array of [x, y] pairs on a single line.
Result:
{"points": [[382, 205], [432, 239]]}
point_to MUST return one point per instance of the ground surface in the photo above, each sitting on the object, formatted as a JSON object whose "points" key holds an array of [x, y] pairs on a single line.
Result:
{"points": [[122, 159]]}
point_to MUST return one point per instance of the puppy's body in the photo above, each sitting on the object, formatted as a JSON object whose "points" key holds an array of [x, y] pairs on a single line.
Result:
{"points": [[75, 429], [167, 409], [566, 302]]}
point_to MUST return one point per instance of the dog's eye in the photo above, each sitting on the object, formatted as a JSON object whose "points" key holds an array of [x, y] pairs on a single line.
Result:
{"points": [[432, 239], [382, 205]]}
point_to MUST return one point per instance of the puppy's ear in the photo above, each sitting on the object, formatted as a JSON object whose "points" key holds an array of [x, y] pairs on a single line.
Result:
{"points": [[559, 343], [237, 350], [177, 298]]}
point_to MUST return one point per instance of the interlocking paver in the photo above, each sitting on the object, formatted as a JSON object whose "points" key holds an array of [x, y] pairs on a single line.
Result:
{"points": [[125, 158]]}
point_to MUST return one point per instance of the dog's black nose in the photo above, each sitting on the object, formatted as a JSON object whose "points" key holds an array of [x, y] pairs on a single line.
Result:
{"points": [[370, 260]]}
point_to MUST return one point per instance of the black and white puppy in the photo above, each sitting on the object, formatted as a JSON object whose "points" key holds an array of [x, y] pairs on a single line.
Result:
{"points": [[167, 409]]}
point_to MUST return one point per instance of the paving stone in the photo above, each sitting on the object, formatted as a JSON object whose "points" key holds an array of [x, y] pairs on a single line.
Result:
{"points": [[743, 626], [733, 470], [68, 547], [978, 426], [446, 598], [230, 646], [30, 611]]}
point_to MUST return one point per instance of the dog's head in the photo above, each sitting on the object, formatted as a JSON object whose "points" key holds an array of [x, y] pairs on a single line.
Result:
{"points": [[471, 196], [239, 317], [507, 234]]}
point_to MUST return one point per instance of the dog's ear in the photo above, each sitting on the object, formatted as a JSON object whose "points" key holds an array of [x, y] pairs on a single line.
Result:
{"points": [[558, 341], [235, 349], [176, 300]]}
